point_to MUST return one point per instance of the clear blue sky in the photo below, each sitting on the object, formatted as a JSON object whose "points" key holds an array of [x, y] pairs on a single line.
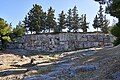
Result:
{"points": [[15, 10]]}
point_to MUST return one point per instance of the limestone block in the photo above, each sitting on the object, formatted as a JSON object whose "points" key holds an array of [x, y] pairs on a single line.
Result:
{"points": [[63, 37], [72, 36], [100, 37], [80, 44], [85, 44], [63, 46], [92, 38], [66, 46], [88, 44], [82, 38], [95, 44]]}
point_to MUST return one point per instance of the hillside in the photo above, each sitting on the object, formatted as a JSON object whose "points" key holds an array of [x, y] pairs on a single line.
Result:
{"points": [[89, 64]]}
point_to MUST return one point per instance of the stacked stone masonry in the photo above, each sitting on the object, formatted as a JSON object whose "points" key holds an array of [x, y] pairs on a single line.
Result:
{"points": [[62, 41]]}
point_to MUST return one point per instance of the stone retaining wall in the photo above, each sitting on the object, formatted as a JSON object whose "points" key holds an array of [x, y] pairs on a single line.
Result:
{"points": [[62, 41]]}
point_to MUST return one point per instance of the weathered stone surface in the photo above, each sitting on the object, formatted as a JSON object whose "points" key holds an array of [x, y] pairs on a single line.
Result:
{"points": [[42, 77], [62, 41], [84, 68], [12, 71], [116, 76]]}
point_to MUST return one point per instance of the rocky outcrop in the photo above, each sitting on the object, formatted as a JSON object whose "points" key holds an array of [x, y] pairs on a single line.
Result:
{"points": [[62, 41]]}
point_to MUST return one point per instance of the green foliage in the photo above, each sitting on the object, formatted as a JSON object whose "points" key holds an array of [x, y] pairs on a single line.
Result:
{"points": [[96, 23], [117, 41], [5, 32], [75, 19], [113, 8], [84, 24], [57, 29], [50, 21], [69, 20], [6, 38], [19, 30], [105, 27], [100, 21], [38, 21], [43, 21], [61, 22], [33, 21], [115, 30]]}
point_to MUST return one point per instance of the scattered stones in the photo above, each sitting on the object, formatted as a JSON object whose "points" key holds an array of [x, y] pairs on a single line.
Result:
{"points": [[12, 71], [41, 77], [40, 56], [61, 66], [84, 68], [31, 72], [88, 52]]}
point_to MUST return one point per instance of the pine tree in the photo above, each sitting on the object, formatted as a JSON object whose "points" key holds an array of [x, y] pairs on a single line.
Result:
{"points": [[100, 21], [27, 27], [75, 19], [50, 21], [69, 20], [100, 16], [61, 21], [84, 24], [19, 30], [105, 27], [96, 23], [43, 22], [33, 20]]}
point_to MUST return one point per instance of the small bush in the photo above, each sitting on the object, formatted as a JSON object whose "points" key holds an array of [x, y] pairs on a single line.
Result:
{"points": [[115, 30]]}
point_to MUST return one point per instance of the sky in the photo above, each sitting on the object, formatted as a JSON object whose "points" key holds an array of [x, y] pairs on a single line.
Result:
{"points": [[14, 11]]}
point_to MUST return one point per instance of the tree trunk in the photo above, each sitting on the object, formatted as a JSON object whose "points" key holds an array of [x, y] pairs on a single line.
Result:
{"points": [[97, 30], [2, 43], [49, 30]]}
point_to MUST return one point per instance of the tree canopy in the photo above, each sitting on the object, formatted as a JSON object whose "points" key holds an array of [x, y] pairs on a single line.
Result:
{"points": [[5, 31], [84, 23], [33, 21], [39, 21], [113, 8], [50, 21], [19, 30], [100, 20], [61, 21]]}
